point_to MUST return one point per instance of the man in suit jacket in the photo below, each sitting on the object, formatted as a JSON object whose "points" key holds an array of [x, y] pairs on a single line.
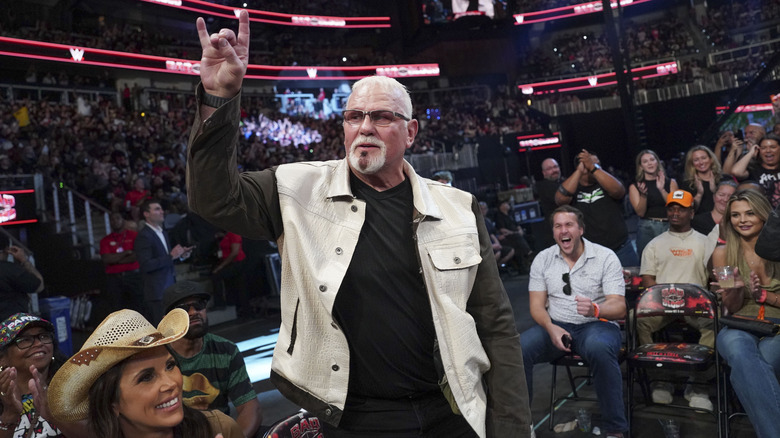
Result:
{"points": [[154, 253]]}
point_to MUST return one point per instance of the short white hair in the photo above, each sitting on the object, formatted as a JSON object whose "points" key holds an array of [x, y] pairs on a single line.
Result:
{"points": [[387, 85]]}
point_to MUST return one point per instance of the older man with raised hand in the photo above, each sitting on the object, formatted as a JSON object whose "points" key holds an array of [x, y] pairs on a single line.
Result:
{"points": [[394, 320], [576, 290]]}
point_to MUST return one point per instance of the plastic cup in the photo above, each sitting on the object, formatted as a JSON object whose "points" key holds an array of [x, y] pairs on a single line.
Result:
{"points": [[671, 428], [725, 276], [583, 419]]}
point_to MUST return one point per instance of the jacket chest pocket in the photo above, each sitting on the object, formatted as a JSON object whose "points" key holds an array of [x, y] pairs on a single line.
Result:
{"points": [[454, 265]]}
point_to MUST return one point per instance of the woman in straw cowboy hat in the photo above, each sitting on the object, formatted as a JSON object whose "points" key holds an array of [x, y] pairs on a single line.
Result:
{"points": [[28, 359], [127, 384]]}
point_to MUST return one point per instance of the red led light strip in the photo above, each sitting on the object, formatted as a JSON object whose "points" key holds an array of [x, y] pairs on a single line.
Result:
{"points": [[538, 142], [746, 108], [569, 11], [134, 61], [596, 81], [212, 9]]}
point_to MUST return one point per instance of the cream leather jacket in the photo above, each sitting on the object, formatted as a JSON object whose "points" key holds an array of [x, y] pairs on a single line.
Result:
{"points": [[309, 209]]}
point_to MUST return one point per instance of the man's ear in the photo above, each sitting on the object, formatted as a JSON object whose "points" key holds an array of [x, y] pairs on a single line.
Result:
{"points": [[411, 128]]}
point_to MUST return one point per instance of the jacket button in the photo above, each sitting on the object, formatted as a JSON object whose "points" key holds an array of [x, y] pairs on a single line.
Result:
{"points": [[354, 208], [328, 412], [339, 251], [334, 325], [323, 288], [335, 367], [456, 260]]}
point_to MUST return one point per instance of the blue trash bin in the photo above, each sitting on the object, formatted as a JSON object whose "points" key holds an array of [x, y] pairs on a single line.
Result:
{"points": [[57, 310]]}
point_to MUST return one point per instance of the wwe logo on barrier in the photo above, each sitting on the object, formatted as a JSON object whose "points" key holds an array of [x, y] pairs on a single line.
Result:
{"points": [[593, 80], [77, 54], [312, 72], [237, 12]]}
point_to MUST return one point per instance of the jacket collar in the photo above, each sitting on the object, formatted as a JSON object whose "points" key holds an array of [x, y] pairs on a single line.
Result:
{"points": [[424, 203]]}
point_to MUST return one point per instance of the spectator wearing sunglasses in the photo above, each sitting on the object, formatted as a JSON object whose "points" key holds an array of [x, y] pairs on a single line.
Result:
{"points": [[28, 360], [212, 367], [583, 284]]}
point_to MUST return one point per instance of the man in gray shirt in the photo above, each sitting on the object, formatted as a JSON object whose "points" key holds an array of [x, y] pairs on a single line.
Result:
{"points": [[576, 290]]}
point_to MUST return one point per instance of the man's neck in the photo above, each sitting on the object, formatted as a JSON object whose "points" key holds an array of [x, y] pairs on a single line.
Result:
{"points": [[680, 229], [381, 181], [188, 347], [154, 226]]}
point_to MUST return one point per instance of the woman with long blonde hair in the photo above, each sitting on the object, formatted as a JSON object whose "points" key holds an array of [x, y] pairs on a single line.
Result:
{"points": [[754, 361], [702, 175], [648, 197]]}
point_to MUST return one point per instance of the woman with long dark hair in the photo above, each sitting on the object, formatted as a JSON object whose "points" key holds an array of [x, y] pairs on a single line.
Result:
{"points": [[754, 361], [127, 384]]}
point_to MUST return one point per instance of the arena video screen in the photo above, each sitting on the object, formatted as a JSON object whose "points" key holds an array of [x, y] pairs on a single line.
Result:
{"points": [[17, 207], [744, 115], [448, 11]]}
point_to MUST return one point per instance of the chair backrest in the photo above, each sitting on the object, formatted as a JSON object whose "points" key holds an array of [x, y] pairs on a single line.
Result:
{"points": [[677, 299], [299, 425]]}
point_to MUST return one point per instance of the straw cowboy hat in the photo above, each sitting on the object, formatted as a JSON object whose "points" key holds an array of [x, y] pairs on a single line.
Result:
{"points": [[121, 335]]}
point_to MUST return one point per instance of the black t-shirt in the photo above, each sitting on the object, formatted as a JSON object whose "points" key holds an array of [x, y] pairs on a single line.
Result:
{"points": [[604, 223], [707, 202], [656, 204], [546, 190], [770, 179], [382, 304], [15, 283], [505, 221], [703, 222]]}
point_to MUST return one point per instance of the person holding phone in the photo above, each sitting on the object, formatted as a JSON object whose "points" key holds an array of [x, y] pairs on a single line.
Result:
{"points": [[762, 164], [156, 255], [742, 142]]}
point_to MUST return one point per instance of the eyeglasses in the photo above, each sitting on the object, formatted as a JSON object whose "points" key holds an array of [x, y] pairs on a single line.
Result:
{"points": [[25, 342], [197, 305], [378, 117], [567, 286]]}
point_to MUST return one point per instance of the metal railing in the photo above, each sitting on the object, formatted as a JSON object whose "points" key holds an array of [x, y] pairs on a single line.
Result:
{"points": [[85, 220], [464, 156], [708, 84], [16, 91]]}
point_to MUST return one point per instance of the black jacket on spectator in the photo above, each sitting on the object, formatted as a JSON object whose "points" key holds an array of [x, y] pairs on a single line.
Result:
{"points": [[768, 243], [15, 283]]}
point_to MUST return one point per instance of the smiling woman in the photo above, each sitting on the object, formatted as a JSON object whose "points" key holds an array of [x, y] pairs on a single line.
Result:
{"points": [[26, 353], [128, 384]]}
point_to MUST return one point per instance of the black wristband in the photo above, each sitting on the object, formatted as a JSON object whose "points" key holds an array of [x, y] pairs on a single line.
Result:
{"points": [[595, 168], [565, 192], [212, 100]]}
